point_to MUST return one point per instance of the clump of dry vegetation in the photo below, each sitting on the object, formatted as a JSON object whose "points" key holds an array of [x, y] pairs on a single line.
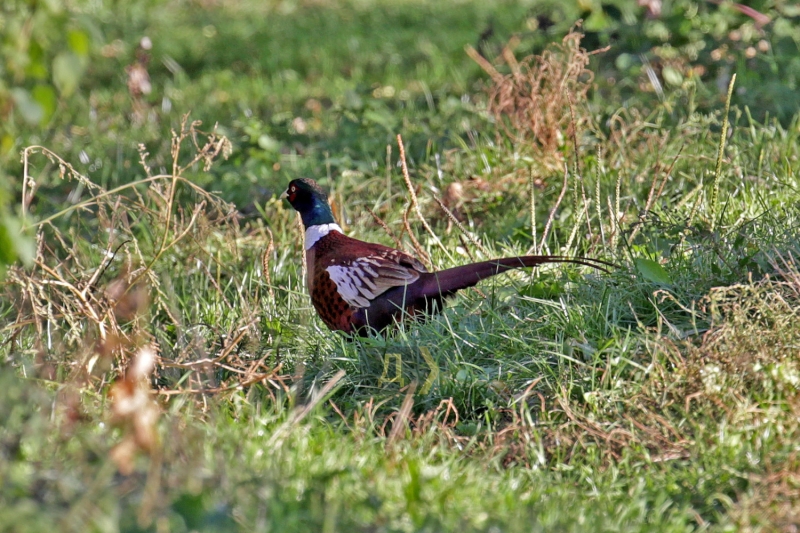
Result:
{"points": [[541, 104], [95, 309], [70, 302], [734, 389]]}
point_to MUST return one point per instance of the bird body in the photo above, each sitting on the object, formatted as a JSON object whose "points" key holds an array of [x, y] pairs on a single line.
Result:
{"points": [[356, 286]]}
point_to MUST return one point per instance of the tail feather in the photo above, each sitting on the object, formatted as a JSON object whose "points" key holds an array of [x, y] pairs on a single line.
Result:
{"points": [[446, 282], [426, 294]]}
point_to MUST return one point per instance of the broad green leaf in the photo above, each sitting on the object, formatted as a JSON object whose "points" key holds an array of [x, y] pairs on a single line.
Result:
{"points": [[265, 142], [30, 111], [54, 6], [672, 76], [45, 96], [13, 244], [652, 271], [544, 289], [381, 117], [7, 252], [36, 67], [624, 61], [597, 21], [6, 144], [78, 42], [67, 72]]}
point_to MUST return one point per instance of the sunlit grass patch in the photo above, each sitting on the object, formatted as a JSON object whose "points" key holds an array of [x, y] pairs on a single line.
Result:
{"points": [[659, 396]]}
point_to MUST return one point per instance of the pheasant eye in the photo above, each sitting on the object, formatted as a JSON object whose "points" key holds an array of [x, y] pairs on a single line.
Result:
{"points": [[291, 194]]}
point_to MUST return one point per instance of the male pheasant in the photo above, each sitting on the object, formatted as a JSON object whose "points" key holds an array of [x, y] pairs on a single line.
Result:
{"points": [[356, 286]]}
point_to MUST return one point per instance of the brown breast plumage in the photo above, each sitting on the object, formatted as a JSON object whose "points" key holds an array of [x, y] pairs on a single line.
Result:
{"points": [[345, 275], [333, 310]]}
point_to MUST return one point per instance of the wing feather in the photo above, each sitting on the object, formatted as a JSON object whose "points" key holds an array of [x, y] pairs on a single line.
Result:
{"points": [[361, 280]]}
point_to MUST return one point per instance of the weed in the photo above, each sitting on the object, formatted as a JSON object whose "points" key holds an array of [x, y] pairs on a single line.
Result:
{"points": [[540, 103]]}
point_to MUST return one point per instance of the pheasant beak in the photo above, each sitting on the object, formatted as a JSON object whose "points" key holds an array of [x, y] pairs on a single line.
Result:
{"points": [[290, 194]]}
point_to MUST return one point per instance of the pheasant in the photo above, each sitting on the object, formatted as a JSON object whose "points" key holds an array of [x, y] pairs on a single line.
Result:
{"points": [[356, 286]]}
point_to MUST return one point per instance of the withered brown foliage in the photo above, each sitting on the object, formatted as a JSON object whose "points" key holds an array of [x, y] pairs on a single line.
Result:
{"points": [[539, 105], [86, 306], [745, 369], [753, 355], [67, 295], [90, 315]]}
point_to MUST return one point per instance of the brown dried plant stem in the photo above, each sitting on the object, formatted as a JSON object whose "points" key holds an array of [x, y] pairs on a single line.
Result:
{"points": [[59, 293], [721, 154], [655, 193], [385, 227], [552, 215], [413, 195], [265, 263], [421, 253], [533, 104], [461, 227]]}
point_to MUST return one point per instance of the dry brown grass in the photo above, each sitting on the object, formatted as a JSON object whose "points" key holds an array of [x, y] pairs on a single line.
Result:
{"points": [[92, 313], [744, 372], [540, 104], [94, 309], [65, 297]]}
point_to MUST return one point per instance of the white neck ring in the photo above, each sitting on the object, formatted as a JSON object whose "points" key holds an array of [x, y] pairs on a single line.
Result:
{"points": [[315, 233]]}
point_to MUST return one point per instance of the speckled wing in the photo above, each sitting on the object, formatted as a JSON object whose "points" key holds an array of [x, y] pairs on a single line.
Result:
{"points": [[361, 280]]}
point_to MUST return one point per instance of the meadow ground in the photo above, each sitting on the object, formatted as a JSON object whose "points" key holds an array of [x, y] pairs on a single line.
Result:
{"points": [[163, 369]]}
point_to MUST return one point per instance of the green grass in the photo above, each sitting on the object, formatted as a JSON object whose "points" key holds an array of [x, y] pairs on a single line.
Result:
{"points": [[662, 396]]}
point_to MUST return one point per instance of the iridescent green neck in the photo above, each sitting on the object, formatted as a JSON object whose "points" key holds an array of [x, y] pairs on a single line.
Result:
{"points": [[318, 213]]}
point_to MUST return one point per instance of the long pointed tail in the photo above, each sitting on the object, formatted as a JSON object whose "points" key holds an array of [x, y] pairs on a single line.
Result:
{"points": [[446, 282]]}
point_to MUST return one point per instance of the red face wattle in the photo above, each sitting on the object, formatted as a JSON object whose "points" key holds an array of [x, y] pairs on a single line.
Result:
{"points": [[291, 194]]}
